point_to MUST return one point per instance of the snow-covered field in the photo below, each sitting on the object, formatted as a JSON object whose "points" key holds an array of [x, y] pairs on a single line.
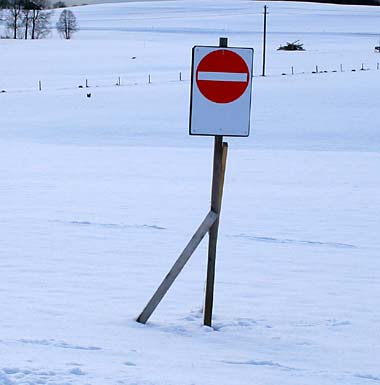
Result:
{"points": [[99, 196]]}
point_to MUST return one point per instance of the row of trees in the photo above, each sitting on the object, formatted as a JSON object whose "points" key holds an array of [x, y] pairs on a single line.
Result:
{"points": [[30, 19], [26, 18]]}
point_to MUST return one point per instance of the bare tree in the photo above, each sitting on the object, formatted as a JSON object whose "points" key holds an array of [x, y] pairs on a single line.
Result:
{"points": [[41, 24], [14, 18], [40, 19], [26, 12], [3, 5], [67, 24]]}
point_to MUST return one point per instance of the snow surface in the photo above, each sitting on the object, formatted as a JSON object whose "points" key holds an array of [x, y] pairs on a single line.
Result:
{"points": [[100, 195]]}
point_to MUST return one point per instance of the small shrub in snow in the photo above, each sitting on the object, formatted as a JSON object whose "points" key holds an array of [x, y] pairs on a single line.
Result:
{"points": [[295, 46]]}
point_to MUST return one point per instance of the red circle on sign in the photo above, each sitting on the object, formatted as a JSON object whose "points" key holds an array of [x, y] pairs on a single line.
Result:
{"points": [[222, 76]]}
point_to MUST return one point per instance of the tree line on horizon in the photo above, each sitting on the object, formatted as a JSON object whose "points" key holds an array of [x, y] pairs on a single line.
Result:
{"points": [[31, 19]]}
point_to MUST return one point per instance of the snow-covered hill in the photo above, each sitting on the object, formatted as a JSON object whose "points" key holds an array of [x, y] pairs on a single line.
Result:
{"points": [[100, 194]]}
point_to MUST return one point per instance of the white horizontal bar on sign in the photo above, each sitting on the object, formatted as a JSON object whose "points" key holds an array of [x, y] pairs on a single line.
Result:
{"points": [[223, 76]]}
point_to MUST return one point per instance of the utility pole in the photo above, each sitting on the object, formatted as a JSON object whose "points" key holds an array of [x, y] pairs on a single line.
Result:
{"points": [[264, 37]]}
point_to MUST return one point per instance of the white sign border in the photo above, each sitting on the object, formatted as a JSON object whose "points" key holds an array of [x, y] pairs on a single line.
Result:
{"points": [[217, 108]]}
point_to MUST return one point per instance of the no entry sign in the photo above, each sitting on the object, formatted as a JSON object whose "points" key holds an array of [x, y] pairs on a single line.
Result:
{"points": [[221, 91], [222, 76]]}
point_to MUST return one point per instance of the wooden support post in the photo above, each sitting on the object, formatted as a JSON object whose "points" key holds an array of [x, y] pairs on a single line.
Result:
{"points": [[264, 38], [223, 42], [219, 166], [203, 229]]}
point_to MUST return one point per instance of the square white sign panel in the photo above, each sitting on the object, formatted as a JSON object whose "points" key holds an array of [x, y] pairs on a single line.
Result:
{"points": [[221, 88]]}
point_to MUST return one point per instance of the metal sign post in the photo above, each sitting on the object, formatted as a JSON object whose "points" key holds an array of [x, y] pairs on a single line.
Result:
{"points": [[220, 105]]}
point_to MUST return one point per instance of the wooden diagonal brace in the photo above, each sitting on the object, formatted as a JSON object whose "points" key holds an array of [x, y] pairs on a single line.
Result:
{"points": [[187, 252]]}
